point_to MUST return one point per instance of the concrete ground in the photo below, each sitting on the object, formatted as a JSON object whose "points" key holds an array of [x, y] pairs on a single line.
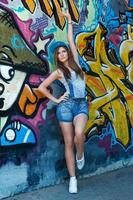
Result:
{"points": [[116, 185]]}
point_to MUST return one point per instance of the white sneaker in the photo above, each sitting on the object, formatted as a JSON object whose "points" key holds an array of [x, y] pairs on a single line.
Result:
{"points": [[81, 162], [73, 185]]}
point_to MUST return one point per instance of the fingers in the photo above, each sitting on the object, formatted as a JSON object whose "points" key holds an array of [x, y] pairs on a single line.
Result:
{"points": [[65, 96], [66, 93], [64, 13], [60, 13]]}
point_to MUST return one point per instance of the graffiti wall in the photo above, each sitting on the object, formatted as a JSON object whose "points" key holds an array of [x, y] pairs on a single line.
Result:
{"points": [[31, 144]]}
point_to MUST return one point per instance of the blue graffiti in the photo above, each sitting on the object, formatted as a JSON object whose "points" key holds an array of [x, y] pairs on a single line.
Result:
{"points": [[16, 42], [17, 133], [108, 130], [53, 29], [19, 9], [130, 3]]}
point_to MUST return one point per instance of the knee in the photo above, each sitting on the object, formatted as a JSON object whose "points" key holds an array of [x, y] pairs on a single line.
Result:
{"points": [[69, 144], [79, 135]]}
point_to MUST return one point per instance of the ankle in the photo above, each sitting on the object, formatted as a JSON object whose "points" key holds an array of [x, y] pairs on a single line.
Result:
{"points": [[80, 161], [79, 156]]}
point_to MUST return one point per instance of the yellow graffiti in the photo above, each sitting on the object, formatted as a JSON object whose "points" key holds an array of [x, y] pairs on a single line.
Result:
{"points": [[54, 7], [30, 5], [126, 54], [111, 98], [73, 10], [46, 7]]}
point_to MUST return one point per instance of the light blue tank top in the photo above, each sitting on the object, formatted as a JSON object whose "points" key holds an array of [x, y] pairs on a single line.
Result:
{"points": [[75, 87]]}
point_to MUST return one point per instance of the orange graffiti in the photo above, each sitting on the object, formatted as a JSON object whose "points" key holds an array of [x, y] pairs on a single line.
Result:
{"points": [[29, 99]]}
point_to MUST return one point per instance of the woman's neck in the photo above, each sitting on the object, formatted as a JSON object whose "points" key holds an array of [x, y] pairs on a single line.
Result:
{"points": [[67, 65]]}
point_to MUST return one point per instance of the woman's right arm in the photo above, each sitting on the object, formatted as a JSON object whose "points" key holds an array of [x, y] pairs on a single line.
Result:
{"points": [[43, 87]]}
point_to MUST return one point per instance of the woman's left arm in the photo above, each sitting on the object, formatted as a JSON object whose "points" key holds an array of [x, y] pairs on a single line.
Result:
{"points": [[70, 36]]}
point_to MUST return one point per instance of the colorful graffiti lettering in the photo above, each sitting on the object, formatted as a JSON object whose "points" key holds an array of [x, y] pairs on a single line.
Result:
{"points": [[111, 96], [55, 9], [105, 50], [29, 131]]}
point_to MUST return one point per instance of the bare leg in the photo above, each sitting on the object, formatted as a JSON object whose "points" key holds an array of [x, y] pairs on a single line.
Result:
{"points": [[79, 124], [68, 134]]}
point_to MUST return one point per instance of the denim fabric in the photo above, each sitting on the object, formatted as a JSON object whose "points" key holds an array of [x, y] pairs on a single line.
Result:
{"points": [[67, 110], [75, 86]]}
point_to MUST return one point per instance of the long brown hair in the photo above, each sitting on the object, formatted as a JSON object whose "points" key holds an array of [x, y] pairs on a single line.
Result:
{"points": [[71, 61]]}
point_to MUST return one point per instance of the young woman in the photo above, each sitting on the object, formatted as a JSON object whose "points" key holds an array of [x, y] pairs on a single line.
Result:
{"points": [[72, 106]]}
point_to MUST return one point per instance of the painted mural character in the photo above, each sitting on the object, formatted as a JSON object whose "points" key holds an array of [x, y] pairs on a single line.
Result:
{"points": [[72, 106], [17, 62]]}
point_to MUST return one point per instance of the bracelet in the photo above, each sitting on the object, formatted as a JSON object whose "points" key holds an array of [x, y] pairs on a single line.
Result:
{"points": [[69, 22]]}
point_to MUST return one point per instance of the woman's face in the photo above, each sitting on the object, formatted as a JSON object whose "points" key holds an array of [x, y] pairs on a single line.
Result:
{"points": [[62, 55]]}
